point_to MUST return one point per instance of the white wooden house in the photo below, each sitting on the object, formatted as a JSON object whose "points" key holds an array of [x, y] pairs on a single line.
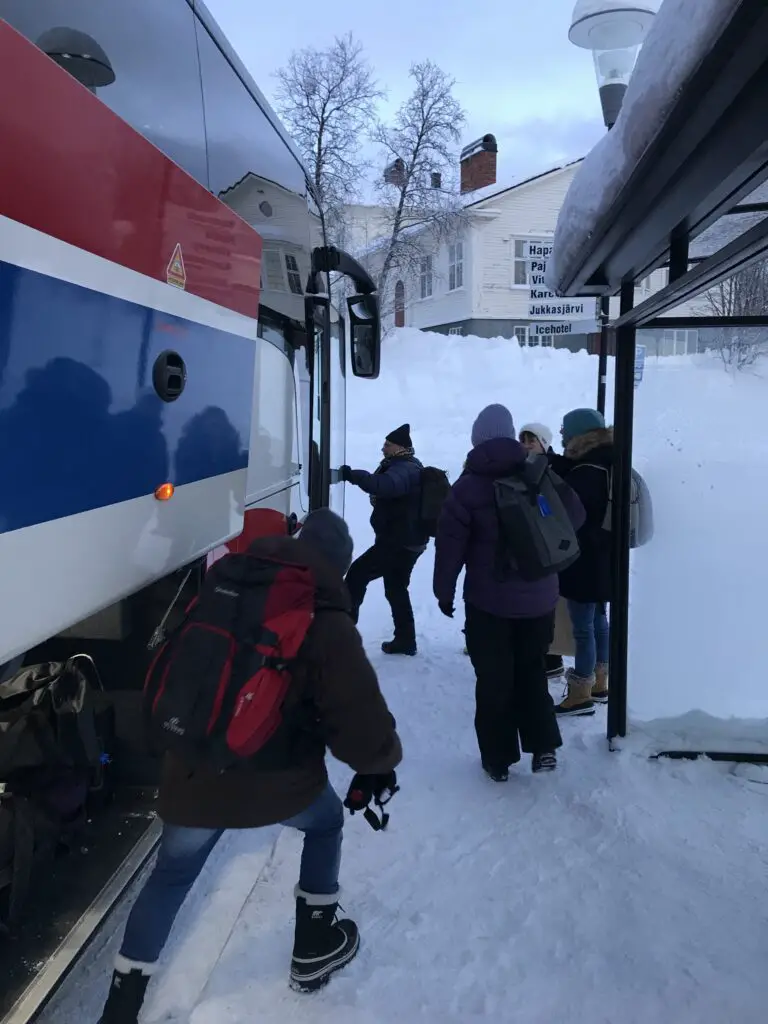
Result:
{"points": [[478, 283]]}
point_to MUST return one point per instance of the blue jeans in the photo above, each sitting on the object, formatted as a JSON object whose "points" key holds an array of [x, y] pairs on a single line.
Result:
{"points": [[183, 853], [590, 634]]}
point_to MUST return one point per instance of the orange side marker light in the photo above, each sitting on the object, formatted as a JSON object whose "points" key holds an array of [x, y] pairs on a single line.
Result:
{"points": [[164, 492]]}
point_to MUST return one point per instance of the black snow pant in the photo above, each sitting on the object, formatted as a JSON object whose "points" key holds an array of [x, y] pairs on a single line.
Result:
{"points": [[393, 565], [511, 694]]}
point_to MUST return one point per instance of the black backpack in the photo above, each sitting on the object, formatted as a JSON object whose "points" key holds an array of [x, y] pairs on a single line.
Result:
{"points": [[536, 536], [216, 691], [435, 488]]}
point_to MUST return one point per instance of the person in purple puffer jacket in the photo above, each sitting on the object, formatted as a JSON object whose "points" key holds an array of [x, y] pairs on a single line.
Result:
{"points": [[509, 622]]}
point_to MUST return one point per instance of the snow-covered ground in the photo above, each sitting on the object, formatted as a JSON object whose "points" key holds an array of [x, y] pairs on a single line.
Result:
{"points": [[619, 890]]}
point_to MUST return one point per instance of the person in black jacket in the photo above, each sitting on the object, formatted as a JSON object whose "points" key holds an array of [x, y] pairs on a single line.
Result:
{"points": [[395, 490], [587, 466]]}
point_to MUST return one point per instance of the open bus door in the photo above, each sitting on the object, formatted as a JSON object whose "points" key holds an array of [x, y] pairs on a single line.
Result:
{"points": [[328, 420]]}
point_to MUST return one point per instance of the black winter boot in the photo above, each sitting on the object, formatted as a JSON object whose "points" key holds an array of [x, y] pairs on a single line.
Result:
{"points": [[126, 996], [555, 667], [544, 762], [397, 646], [497, 772], [322, 944]]}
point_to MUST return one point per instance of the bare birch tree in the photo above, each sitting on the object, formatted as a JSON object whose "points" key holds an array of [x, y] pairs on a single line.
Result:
{"points": [[744, 294], [328, 100], [418, 188]]}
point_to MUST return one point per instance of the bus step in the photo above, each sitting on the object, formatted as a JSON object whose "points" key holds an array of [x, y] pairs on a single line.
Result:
{"points": [[71, 901]]}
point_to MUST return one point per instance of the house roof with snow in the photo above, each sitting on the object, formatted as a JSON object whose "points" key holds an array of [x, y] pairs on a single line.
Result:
{"points": [[481, 195], [468, 201]]}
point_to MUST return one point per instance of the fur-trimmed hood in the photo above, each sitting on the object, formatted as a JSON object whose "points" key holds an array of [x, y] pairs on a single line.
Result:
{"points": [[586, 443]]}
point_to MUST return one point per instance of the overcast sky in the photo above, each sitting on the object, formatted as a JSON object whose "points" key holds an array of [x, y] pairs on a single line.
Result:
{"points": [[517, 75]]}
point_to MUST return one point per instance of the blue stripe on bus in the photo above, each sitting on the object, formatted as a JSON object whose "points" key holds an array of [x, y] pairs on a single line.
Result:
{"points": [[81, 426]]}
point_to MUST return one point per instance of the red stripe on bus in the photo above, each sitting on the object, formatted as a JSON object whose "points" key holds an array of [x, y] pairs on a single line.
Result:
{"points": [[74, 170]]}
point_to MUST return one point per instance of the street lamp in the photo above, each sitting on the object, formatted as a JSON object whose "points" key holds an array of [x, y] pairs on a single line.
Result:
{"points": [[614, 31]]}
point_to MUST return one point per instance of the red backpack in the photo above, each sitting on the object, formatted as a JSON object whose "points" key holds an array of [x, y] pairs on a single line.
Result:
{"points": [[214, 692]]}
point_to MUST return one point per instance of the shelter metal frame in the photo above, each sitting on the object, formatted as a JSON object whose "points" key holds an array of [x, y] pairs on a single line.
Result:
{"points": [[707, 160]]}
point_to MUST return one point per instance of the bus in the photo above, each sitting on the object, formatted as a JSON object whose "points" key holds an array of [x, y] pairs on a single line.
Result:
{"points": [[172, 378]]}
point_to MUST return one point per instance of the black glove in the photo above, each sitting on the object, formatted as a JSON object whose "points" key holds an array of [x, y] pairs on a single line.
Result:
{"points": [[446, 609], [377, 788], [345, 472]]}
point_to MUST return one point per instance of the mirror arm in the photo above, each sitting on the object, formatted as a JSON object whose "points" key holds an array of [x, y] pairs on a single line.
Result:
{"points": [[328, 259]]}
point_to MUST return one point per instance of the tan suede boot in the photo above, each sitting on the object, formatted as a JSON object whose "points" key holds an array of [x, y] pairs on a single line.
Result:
{"points": [[600, 689], [578, 699]]}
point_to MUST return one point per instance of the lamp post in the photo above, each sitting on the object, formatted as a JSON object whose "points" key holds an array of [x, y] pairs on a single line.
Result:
{"points": [[613, 30]]}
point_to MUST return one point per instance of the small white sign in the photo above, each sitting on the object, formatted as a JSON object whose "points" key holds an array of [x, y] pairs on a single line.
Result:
{"points": [[536, 275], [560, 327], [539, 293], [548, 309], [537, 251], [639, 364]]}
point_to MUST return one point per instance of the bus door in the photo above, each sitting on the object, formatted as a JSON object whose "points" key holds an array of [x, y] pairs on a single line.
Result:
{"points": [[338, 429]]}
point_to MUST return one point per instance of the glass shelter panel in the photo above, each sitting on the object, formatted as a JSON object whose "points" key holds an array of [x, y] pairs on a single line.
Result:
{"points": [[698, 640]]}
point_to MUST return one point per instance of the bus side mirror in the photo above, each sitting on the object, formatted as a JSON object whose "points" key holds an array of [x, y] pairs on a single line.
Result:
{"points": [[365, 335]]}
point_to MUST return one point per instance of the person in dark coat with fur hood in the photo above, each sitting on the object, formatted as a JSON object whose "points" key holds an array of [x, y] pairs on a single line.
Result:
{"points": [[586, 464], [395, 491], [509, 620], [337, 704]]}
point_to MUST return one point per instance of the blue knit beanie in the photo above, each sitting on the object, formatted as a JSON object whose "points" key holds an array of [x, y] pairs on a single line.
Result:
{"points": [[581, 421], [494, 421]]}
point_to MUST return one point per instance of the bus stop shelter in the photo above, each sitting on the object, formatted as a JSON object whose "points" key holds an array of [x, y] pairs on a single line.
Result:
{"points": [[678, 183]]}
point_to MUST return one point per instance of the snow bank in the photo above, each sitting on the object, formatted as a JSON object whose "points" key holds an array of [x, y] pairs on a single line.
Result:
{"points": [[697, 633], [681, 35]]}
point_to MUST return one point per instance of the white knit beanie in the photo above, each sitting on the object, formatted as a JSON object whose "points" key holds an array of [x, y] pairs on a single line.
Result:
{"points": [[544, 434]]}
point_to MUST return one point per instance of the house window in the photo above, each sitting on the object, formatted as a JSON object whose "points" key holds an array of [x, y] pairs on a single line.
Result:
{"points": [[425, 274], [399, 304], [521, 333], [679, 343], [455, 266], [520, 276], [294, 275], [645, 286], [540, 341], [455, 330]]}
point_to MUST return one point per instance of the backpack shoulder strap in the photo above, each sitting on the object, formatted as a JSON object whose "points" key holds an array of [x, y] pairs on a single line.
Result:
{"points": [[605, 469]]}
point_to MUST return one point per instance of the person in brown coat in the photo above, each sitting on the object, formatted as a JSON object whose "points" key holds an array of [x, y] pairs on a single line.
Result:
{"points": [[335, 681]]}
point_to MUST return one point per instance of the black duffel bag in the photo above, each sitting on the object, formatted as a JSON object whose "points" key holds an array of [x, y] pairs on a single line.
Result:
{"points": [[56, 734]]}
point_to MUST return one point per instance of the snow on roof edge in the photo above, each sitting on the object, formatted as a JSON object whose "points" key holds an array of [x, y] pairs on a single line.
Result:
{"points": [[682, 34]]}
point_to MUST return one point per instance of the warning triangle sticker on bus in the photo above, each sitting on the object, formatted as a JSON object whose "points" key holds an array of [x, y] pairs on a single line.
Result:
{"points": [[176, 274]]}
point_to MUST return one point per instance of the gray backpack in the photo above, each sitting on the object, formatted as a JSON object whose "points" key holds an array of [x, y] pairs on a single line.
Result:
{"points": [[536, 536], [640, 508]]}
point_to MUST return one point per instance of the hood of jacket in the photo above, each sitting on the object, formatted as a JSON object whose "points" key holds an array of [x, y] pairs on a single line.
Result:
{"points": [[594, 446], [331, 590], [496, 457]]}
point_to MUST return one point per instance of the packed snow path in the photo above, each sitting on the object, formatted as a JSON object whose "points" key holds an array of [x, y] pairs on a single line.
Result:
{"points": [[618, 890]]}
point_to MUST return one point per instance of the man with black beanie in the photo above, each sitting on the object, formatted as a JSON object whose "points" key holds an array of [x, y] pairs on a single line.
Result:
{"points": [[395, 490]]}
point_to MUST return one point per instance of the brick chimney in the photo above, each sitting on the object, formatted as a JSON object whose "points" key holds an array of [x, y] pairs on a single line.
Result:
{"points": [[478, 164], [394, 174]]}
